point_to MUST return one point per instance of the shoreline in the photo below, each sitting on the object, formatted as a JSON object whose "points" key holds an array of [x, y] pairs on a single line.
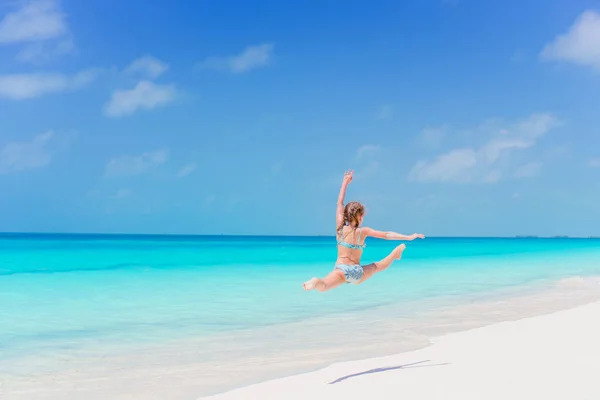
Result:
{"points": [[412, 334], [192, 363], [524, 358]]}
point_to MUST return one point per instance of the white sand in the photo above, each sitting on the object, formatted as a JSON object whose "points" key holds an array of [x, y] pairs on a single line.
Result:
{"points": [[555, 356]]}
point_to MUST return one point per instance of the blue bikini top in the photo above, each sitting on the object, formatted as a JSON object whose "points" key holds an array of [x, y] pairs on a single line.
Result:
{"points": [[341, 242]]}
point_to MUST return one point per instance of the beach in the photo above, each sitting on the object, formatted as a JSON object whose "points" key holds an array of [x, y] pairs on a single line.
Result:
{"points": [[186, 317], [554, 356], [213, 200]]}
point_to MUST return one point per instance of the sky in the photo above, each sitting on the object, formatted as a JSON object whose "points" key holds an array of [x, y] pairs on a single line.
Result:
{"points": [[459, 117]]}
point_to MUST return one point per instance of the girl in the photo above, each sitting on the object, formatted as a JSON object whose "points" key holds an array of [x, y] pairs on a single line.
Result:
{"points": [[350, 237]]}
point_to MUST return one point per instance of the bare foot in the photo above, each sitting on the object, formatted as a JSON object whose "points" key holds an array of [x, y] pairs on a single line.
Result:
{"points": [[398, 251], [310, 285]]}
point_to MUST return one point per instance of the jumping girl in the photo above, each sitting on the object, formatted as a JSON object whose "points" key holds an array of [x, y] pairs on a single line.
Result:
{"points": [[351, 237]]}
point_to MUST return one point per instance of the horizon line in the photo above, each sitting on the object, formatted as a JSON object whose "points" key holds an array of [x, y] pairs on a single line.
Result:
{"points": [[517, 236]]}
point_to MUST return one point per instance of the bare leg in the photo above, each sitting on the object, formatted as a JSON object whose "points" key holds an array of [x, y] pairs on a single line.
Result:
{"points": [[333, 280], [372, 269]]}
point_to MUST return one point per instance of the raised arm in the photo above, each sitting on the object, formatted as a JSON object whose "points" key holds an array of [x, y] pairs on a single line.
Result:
{"points": [[339, 214], [391, 235]]}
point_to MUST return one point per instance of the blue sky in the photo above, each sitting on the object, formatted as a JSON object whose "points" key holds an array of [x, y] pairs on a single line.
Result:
{"points": [[460, 117]]}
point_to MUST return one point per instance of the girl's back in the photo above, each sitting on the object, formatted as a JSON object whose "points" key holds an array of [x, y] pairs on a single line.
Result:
{"points": [[351, 243]]}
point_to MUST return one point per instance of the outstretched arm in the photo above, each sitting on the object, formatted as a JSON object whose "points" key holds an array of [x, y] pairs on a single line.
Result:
{"points": [[391, 235], [339, 214]]}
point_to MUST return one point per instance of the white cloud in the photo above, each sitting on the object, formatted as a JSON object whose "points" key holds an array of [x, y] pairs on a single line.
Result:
{"points": [[34, 21], [145, 95], [41, 26], [136, 165], [580, 44], [19, 156], [529, 170], [186, 170], [595, 163], [251, 58], [454, 166], [486, 163], [147, 66], [28, 86]]}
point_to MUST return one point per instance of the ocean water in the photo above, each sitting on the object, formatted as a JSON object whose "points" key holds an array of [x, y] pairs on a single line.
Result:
{"points": [[150, 304]]}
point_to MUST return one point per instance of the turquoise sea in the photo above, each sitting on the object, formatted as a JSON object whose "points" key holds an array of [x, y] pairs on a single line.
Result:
{"points": [[67, 301]]}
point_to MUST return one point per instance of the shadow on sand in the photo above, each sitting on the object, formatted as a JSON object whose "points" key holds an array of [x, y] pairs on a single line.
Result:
{"points": [[384, 369]]}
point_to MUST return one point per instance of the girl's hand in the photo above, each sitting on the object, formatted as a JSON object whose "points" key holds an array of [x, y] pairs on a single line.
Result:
{"points": [[417, 236], [348, 176]]}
